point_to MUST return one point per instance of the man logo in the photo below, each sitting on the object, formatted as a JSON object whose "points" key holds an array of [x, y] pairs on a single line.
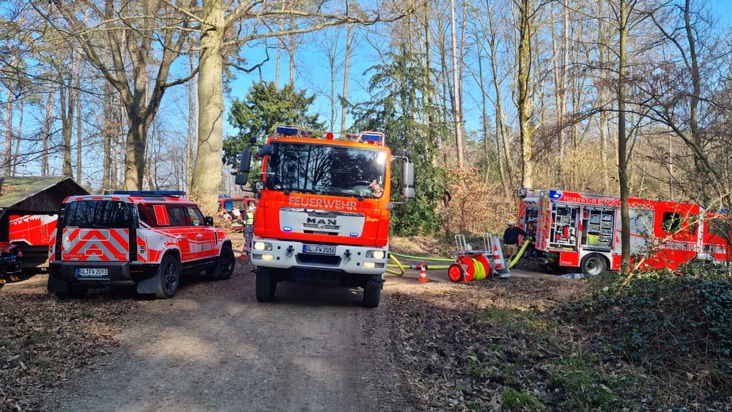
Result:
{"points": [[321, 223]]}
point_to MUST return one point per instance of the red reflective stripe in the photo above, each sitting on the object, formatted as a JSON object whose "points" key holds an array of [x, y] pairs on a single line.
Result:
{"points": [[161, 215]]}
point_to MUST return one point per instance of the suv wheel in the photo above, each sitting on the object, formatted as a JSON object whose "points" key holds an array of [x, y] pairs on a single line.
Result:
{"points": [[169, 276], [224, 265]]}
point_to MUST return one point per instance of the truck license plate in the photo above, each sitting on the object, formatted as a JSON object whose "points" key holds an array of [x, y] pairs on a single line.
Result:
{"points": [[319, 249], [91, 272]]}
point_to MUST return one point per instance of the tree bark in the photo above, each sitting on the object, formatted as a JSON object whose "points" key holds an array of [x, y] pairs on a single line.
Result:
{"points": [[207, 169], [346, 68], [457, 115], [47, 131], [18, 138], [622, 138], [8, 132], [191, 137], [524, 97]]}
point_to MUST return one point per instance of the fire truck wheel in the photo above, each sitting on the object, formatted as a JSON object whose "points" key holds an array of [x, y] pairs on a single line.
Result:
{"points": [[169, 276], [592, 265], [372, 291], [265, 285], [224, 265]]}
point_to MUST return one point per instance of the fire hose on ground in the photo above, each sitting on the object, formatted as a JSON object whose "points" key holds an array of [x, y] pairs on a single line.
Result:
{"points": [[400, 266]]}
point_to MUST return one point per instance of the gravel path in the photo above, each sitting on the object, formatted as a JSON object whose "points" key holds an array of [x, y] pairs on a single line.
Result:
{"points": [[214, 347]]}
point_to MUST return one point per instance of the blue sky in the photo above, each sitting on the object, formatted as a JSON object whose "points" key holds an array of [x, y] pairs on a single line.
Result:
{"points": [[312, 71]]}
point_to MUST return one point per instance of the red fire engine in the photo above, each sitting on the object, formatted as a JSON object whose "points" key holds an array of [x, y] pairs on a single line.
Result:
{"points": [[323, 212], [583, 231]]}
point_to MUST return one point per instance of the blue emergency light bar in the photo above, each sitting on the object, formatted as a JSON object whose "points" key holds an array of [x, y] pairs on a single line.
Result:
{"points": [[287, 131], [372, 137], [555, 194], [150, 192]]}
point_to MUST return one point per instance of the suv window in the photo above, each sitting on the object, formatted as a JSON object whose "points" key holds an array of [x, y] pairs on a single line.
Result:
{"points": [[95, 214], [147, 215], [195, 216], [177, 215]]}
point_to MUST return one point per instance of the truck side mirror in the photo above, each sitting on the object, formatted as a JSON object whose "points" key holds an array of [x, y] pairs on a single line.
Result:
{"points": [[241, 179], [408, 180], [245, 163]]}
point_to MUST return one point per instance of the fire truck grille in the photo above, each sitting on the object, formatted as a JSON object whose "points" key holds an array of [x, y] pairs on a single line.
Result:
{"points": [[320, 232]]}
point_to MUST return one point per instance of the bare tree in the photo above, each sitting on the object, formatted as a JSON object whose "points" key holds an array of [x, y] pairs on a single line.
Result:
{"points": [[215, 20], [456, 94], [114, 35]]}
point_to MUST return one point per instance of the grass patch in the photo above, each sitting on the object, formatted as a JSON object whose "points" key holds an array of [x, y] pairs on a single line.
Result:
{"points": [[584, 383], [515, 400]]}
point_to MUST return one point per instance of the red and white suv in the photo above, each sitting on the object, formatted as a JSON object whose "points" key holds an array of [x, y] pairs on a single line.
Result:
{"points": [[146, 239]]}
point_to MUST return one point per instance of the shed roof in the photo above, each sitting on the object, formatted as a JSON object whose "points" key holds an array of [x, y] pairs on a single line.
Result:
{"points": [[37, 193]]}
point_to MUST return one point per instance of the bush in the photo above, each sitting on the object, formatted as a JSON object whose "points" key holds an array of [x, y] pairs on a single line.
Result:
{"points": [[665, 323]]}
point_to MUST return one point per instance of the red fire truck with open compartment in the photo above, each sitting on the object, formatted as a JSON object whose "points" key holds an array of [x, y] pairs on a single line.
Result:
{"points": [[580, 230]]}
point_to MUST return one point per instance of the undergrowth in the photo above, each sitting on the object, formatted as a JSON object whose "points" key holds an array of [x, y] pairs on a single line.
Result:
{"points": [[678, 327]]}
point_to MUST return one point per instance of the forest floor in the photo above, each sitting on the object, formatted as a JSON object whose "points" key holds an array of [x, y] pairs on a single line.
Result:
{"points": [[490, 345]]}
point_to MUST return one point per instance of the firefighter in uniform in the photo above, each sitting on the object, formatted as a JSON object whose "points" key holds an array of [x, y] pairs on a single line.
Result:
{"points": [[510, 240], [249, 225]]}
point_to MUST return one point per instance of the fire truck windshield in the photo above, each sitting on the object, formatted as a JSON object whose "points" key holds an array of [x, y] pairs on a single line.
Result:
{"points": [[326, 169]]}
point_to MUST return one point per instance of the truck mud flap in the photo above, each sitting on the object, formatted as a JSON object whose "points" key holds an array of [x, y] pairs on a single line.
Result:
{"points": [[57, 285], [148, 286]]}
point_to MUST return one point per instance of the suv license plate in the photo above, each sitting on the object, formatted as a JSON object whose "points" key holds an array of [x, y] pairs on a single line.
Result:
{"points": [[91, 272], [319, 249]]}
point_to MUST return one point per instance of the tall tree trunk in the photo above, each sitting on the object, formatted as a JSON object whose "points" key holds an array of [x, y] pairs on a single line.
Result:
{"points": [[346, 67], [526, 8], [694, 100], [622, 138], [8, 132], [107, 135], [79, 150], [604, 118], [207, 170], [192, 124], [560, 64], [47, 131], [291, 51], [18, 138], [502, 140], [457, 116], [68, 105]]}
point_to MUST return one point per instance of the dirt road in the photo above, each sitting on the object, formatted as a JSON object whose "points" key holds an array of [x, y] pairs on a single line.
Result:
{"points": [[214, 347]]}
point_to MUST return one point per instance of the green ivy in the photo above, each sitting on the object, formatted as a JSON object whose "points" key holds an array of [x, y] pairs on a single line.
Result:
{"points": [[663, 321]]}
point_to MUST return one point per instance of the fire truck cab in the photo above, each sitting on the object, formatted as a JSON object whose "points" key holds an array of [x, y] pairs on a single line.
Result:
{"points": [[323, 211], [145, 239]]}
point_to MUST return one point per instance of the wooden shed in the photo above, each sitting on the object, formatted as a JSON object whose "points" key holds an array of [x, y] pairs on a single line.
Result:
{"points": [[29, 208]]}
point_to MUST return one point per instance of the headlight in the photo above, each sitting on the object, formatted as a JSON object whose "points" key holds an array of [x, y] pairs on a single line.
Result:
{"points": [[375, 254], [262, 246], [259, 185]]}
